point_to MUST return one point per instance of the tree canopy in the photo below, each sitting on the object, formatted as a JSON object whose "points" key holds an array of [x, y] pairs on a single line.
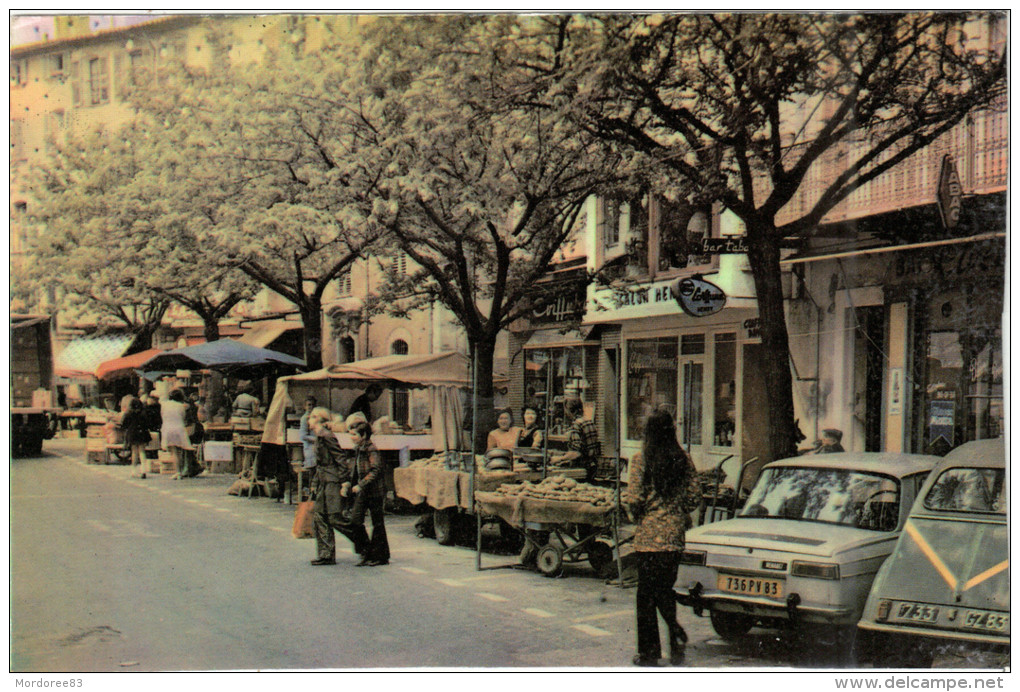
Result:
{"points": [[742, 109], [481, 191]]}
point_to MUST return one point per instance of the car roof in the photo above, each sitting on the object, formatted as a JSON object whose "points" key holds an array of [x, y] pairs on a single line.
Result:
{"points": [[891, 463], [979, 453]]}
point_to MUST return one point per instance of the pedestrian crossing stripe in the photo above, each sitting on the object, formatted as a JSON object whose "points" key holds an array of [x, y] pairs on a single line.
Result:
{"points": [[491, 596], [593, 631], [538, 612]]}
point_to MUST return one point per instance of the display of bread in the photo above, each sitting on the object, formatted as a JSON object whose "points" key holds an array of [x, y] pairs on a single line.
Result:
{"points": [[560, 488]]}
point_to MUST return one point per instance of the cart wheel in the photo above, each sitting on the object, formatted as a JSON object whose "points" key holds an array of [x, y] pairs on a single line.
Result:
{"points": [[550, 561], [443, 523], [600, 556]]}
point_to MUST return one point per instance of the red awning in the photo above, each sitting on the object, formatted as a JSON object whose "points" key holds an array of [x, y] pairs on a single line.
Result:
{"points": [[122, 367]]}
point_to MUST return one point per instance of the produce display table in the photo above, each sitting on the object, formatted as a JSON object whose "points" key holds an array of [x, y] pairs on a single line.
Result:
{"points": [[530, 512], [441, 488]]}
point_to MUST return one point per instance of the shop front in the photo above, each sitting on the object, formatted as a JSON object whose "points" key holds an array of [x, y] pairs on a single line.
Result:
{"points": [[699, 368], [907, 346], [957, 296]]}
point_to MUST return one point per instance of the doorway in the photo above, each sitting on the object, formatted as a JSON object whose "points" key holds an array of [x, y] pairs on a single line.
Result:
{"points": [[868, 368]]}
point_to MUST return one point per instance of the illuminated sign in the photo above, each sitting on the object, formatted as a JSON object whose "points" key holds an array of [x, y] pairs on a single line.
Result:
{"points": [[697, 297]]}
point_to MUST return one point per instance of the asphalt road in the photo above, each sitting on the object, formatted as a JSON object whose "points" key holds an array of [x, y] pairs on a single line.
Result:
{"points": [[111, 573]]}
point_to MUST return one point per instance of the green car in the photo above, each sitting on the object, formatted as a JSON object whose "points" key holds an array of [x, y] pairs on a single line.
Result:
{"points": [[946, 584]]}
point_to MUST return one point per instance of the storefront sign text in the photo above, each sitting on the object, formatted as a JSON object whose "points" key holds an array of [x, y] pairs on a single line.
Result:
{"points": [[724, 246], [697, 297], [752, 325]]}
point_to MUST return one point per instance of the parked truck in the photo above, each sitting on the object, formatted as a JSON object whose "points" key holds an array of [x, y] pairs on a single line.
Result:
{"points": [[33, 414]]}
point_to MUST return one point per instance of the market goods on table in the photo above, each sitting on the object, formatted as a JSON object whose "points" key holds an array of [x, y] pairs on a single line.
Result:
{"points": [[556, 500]]}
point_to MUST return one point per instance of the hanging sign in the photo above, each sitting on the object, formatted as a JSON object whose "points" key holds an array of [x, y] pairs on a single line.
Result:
{"points": [[697, 297], [950, 193]]}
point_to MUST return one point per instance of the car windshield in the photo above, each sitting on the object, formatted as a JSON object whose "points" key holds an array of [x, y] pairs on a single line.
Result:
{"points": [[968, 490], [831, 496]]}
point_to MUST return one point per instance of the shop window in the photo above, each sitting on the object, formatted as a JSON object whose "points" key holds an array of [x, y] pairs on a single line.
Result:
{"points": [[651, 381], [692, 415], [964, 388], [692, 344], [725, 408], [550, 375]]}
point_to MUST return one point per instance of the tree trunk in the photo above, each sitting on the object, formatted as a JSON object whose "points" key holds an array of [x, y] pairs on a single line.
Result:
{"points": [[210, 328], [763, 255], [484, 351], [311, 318]]}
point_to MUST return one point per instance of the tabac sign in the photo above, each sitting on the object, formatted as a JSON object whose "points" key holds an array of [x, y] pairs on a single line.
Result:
{"points": [[949, 194], [697, 297]]}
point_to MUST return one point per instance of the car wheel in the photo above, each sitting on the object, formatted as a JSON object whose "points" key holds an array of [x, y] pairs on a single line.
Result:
{"points": [[730, 626]]}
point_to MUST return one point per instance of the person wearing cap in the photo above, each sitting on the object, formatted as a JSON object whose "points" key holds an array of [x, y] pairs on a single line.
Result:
{"points": [[583, 445], [830, 442], [332, 486], [368, 490]]}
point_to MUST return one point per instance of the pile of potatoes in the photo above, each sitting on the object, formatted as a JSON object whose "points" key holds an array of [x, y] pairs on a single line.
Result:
{"points": [[562, 489]]}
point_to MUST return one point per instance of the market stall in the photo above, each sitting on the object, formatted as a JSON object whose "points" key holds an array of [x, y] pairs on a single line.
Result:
{"points": [[444, 481], [572, 519], [439, 381]]}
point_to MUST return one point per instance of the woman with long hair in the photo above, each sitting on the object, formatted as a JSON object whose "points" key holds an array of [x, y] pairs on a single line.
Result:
{"points": [[662, 491]]}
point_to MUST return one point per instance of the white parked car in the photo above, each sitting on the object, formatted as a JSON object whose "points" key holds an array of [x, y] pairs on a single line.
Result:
{"points": [[806, 546], [946, 585]]}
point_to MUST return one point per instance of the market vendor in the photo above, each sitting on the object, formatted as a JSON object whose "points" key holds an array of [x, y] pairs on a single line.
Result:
{"points": [[246, 406], [531, 434], [506, 435], [363, 403], [583, 446]]}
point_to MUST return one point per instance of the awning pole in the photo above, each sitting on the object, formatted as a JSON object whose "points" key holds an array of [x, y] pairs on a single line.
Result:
{"points": [[548, 414], [474, 430]]}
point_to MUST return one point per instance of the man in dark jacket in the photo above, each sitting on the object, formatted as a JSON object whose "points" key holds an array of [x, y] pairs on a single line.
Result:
{"points": [[332, 484], [364, 402]]}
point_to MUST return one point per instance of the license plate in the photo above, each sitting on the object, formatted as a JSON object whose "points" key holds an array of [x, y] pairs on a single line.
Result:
{"points": [[916, 612], [986, 621], [751, 586]]}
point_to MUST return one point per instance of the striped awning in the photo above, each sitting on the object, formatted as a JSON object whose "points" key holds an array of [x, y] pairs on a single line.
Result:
{"points": [[82, 356]]}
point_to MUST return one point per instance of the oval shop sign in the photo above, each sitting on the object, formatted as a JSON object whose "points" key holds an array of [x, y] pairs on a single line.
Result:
{"points": [[697, 297]]}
